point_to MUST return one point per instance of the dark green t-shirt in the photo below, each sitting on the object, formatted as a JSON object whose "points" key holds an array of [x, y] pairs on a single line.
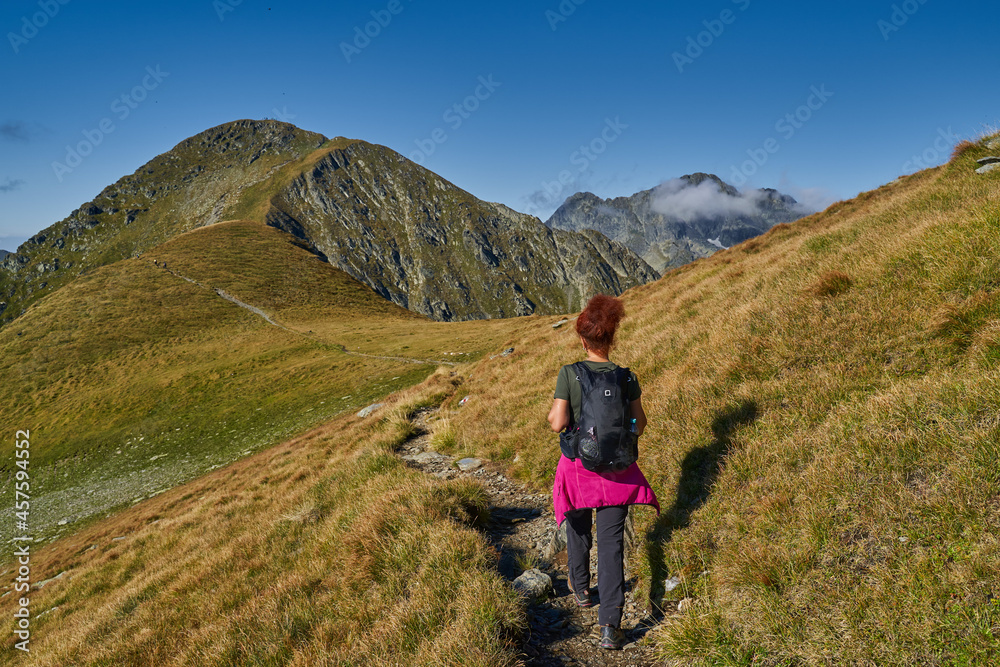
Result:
{"points": [[568, 387]]}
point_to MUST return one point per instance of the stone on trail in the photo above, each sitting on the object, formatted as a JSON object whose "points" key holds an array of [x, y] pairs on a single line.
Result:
{"points": [[426, 458], [533, 584], [466, 465]]}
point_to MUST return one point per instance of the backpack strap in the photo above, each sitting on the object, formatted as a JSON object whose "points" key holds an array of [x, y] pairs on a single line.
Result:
{"points": [[624, 377], [584, 376]]}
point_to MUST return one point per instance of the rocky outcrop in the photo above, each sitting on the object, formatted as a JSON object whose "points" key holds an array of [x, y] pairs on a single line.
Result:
{"points": [[988, 164], [412, 236], [173, 193], [429, 246], [679, 221]]}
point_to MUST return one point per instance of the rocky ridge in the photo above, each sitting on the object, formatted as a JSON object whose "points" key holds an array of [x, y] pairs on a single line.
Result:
{"points": [[415, 238], [429, 246], [648, 224], [187, 187]]}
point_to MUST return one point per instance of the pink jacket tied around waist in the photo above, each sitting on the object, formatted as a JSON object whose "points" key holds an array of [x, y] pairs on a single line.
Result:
{"points": [[576, 488]]}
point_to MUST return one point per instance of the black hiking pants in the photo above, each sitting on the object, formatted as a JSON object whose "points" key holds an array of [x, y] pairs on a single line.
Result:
{"points": [[610, 557]]}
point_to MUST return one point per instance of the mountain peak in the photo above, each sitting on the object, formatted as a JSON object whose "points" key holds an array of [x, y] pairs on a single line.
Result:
{"points": [[679, 220], [413, 237], [247, 132]]}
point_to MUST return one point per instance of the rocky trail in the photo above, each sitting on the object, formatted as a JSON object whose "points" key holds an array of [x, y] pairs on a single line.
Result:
{"points": [[523, 530]]}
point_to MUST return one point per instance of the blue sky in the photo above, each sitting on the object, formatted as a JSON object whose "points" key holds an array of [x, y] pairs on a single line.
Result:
{"points": [[821, 100]]}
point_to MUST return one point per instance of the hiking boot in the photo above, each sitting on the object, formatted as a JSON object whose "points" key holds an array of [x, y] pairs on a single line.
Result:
{"points": [[612, 637], [583, 599]]}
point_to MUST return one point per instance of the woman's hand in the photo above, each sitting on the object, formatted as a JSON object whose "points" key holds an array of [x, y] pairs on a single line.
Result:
{"points": [[559, 414]]}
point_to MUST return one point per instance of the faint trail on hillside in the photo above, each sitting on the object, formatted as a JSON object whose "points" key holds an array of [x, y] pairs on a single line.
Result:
{"points": [[407, 359], [260, 313], [521, 529]]}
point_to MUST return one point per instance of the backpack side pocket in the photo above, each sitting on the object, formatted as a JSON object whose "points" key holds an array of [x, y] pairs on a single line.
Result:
{"points": [[568, 440]]}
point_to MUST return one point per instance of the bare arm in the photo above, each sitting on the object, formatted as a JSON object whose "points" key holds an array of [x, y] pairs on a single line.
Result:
{"points": [[559, 414], [638, 414]]}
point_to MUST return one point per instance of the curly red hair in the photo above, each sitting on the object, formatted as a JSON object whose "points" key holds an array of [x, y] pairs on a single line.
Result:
{"points": [[599, 321]]}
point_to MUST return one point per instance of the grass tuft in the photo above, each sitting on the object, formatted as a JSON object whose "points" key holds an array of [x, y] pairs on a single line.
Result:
{"points": [[832, 283]]}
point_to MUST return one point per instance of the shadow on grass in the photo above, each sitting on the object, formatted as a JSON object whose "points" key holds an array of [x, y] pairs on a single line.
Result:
{"points": [[699, 470]]}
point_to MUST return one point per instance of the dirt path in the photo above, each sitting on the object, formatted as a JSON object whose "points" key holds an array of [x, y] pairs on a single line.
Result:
{"points": [[521, 529], [260, 313]]}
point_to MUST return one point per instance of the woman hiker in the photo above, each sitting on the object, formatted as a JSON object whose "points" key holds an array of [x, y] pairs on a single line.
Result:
{"points": [[578, 492]]}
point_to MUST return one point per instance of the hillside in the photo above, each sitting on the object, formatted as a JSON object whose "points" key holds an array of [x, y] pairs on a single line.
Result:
{"points": [[187, 187], [680, 220], [416, 239], [134, 379], [324, 550], [431, 247], [823, 433], [823, 438]]}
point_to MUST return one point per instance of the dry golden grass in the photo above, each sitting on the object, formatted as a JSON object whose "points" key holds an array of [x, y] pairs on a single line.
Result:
{"points": [[832, 283], [131, 362], [324, 550], [823, 431], [827, 467]]}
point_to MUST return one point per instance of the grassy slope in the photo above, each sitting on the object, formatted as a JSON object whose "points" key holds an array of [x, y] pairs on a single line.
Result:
{"points": [[815, 395], [823, 431], [196, 381], [171, 193], [273, 561]]}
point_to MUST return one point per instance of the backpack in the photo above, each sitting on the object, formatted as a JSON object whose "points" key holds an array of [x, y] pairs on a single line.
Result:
{"points": [[601, 437]]}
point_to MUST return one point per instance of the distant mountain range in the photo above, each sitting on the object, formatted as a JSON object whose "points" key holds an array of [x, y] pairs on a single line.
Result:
{"points": [[679, 220], [3, 254], [412, 236]]}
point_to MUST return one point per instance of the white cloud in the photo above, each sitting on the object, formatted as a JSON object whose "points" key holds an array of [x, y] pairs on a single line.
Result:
{"points": [[809, 200], [678, 199]]}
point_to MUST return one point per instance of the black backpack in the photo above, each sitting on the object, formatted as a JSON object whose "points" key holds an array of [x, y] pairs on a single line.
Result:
{"points": [[601, 437]]}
